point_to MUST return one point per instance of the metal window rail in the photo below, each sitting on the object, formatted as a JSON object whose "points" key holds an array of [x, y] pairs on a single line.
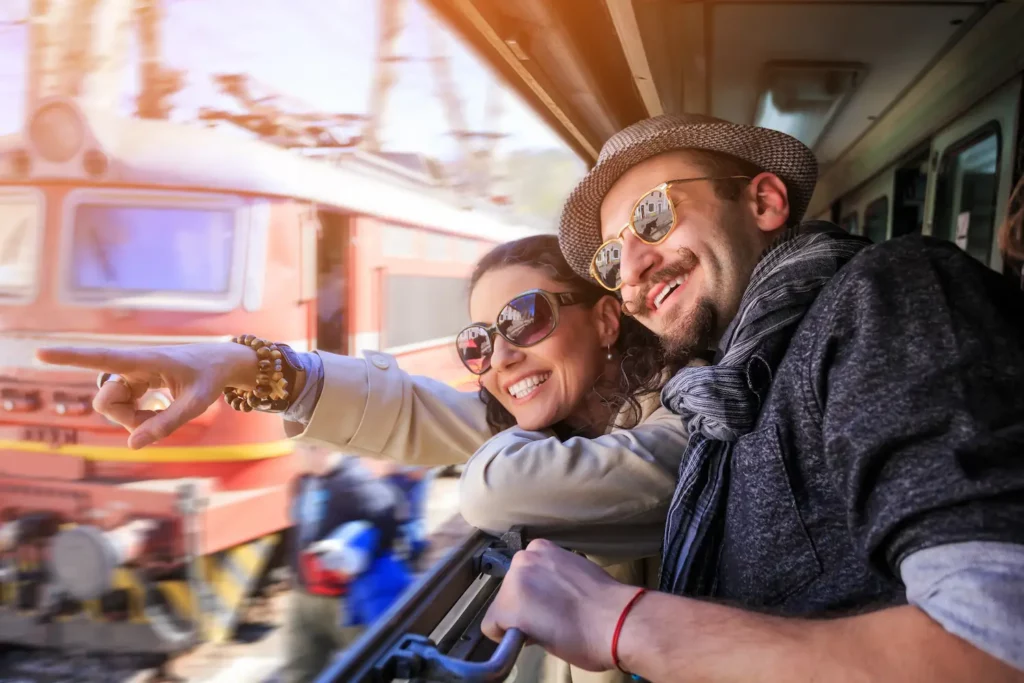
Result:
{"points": [[433, 632]]}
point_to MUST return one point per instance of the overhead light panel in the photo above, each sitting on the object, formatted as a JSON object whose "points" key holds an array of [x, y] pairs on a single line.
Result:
{"points": [[803, 98]]}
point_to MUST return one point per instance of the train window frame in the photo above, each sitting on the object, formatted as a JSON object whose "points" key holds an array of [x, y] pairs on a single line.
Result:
{"points": [[310, 230], [950, 152], [882, 200], [40, 201], [173, 301]]}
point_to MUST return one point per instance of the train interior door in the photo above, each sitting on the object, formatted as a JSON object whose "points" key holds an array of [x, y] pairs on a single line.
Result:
{"points": [[332, 329]]}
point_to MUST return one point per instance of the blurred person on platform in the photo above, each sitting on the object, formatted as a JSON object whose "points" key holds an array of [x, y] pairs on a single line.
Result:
{"points": [[343, 560]]}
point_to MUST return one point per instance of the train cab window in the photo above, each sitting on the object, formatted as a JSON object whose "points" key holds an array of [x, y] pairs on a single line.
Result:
{"points": [[965, 206], [850, 224], [20, 229], [876, 220], [124, 250]]}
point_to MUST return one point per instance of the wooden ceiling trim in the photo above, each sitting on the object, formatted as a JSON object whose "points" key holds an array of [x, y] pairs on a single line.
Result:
{"points": [[628, 30]]}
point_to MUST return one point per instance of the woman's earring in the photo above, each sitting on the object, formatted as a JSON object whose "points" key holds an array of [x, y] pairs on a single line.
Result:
{"points": [[609, 349]]}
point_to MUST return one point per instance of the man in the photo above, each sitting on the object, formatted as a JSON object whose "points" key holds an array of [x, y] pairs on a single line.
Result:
{"points": [[856, 451], [345, 526]]}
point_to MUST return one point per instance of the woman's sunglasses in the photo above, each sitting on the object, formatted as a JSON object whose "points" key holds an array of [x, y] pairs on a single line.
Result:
{"points": [[652, 220], [528, 319]]}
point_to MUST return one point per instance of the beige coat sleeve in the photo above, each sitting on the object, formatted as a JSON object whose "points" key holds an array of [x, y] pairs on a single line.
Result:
{"points": [[371, 407], [606, 496]]}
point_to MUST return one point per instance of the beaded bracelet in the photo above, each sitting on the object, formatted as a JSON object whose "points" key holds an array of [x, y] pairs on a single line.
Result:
{"points": [[271, 393]]}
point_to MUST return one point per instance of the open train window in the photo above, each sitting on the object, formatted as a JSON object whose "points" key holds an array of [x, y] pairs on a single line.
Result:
{"points": [[876, 219], [850, 223], [965, 200]]}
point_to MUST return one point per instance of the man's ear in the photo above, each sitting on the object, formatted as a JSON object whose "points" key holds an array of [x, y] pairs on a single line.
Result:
{"points": [[770, 201], [607, 316]]}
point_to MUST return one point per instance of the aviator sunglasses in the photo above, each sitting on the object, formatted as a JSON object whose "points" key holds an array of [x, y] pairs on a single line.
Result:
{"points": [[652, 220], [528, 319]]}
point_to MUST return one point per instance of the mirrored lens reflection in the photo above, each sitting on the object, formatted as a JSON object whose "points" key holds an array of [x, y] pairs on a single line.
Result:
{"points": [[607, 262], [474, 346], [526, 319], [652, 217]]}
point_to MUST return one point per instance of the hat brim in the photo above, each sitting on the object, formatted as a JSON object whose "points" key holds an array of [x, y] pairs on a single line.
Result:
{"points": [[579, 233]]}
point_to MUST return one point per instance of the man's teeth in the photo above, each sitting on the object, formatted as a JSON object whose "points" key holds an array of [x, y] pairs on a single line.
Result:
{"points": [[525, 387], [669, 288]]}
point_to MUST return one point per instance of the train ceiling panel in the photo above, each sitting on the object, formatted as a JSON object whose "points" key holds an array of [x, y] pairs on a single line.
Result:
{"points": [[600, 65], [893, 44]]}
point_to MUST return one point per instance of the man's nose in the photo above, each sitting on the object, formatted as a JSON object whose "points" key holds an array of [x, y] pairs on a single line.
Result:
{"points": [[638, 258], [505, 355]]}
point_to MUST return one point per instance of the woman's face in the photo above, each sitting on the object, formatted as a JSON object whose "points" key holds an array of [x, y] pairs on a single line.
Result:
{"points": [[548, 382]]}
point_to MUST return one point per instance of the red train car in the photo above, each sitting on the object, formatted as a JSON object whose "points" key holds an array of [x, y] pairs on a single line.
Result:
{"points": [[128, 232]]}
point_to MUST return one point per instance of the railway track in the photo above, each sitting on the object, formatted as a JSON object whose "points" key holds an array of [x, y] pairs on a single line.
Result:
{"points": [[251, 657]]}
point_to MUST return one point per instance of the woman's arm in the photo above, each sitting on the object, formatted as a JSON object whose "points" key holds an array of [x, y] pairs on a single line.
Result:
{"points": [[366, 407], [604, 496], [371, 407]]}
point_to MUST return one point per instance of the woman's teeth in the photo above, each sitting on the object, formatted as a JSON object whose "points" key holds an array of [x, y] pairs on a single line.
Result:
{"points": [[669, 288], [525, 387]]}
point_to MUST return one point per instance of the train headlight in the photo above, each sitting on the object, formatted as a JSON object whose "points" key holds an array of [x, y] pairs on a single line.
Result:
{"points": [[57, 132]]}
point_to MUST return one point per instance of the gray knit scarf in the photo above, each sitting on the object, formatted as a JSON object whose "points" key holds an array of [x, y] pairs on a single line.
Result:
{"points": [[721, 402]]}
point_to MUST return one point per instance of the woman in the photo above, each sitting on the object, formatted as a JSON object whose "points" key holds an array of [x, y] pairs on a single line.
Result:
{"points": [[552, 352]]}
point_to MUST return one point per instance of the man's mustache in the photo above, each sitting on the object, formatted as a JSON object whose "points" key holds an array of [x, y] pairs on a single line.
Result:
{"points": [[686, 262]]}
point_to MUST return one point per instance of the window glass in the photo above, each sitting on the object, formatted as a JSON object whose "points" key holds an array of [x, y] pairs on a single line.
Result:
{"points": [[149, 249], [876, 220], [421, 308], [966, 198]]}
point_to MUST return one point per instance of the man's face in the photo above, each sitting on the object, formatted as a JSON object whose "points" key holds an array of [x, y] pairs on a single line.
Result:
{"points": [[704, 264]]}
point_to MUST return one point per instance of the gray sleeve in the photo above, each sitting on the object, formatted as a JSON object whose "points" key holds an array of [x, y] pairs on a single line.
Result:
{"points": [[302, 409], [974, 590]]}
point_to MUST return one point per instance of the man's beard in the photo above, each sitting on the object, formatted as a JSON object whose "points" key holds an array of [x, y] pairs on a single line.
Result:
{"points": [[689, 335]]}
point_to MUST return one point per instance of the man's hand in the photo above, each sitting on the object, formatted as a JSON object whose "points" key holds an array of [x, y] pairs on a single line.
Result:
{"points": [[570, 606], [563, 602]]}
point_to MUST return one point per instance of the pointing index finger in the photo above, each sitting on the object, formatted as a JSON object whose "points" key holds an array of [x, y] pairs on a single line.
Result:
{"points": [[101, 359]]}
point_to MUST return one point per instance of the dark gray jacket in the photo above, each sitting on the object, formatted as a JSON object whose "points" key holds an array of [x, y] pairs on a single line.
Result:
{"points": [[895, 422]]}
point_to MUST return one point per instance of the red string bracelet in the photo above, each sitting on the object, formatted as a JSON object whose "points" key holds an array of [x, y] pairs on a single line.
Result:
{"points": [[618, 629]]}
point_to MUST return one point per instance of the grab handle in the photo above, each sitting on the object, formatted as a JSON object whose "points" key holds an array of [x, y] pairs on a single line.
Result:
{"points": [[417, 657]]}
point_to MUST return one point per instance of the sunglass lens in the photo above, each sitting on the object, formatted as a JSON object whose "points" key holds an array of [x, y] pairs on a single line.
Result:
{"points": [[653, 216], [474, 346], [526, 320], [606, 264]]}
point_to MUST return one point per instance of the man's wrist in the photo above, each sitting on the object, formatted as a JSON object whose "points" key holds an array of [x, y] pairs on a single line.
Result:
{"points": [[243, 362], [635, 639], [617, 601]]}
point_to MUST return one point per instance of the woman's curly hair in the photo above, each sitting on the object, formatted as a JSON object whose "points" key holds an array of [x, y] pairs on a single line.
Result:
{"points": [[1011, 233], [643, 361]]}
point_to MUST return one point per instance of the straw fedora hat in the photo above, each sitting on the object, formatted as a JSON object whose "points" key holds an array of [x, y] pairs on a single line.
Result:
{"points": [[579, 231]]}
